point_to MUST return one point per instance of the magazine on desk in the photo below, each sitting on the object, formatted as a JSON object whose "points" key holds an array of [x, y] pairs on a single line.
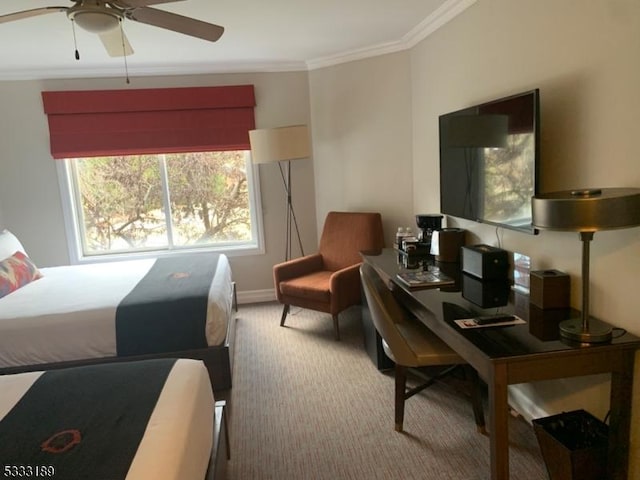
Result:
{"points": [[424, 278]]}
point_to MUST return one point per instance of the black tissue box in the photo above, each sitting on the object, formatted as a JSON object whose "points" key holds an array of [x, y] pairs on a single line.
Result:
{"points": [[485, 293], [485, 262]]}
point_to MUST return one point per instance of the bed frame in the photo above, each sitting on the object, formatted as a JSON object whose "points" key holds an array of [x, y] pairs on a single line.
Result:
{"points": [[220, 452], [218, 360]]}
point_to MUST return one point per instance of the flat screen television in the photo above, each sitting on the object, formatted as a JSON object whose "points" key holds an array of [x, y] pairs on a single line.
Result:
{"points": [[489, 161]]}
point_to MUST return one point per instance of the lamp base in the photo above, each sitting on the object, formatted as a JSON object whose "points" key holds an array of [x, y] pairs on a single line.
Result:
{"points": [[598, 331]]}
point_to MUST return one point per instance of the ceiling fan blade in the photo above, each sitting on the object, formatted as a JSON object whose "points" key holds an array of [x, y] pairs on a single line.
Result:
{"points": [[10, 17], [176, 23], [140, 3], [113, 41]]}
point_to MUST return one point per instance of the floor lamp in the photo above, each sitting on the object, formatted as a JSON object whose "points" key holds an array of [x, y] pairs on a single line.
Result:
{"points": [[586, 211], [280, 145]]}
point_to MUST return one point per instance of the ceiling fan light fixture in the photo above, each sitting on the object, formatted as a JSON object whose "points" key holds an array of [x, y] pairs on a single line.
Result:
{"points": [[96, 22], [104, 18]]}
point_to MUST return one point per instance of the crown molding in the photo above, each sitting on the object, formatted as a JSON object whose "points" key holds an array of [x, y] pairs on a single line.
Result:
{"points": [[151, 70], [442, 15]]}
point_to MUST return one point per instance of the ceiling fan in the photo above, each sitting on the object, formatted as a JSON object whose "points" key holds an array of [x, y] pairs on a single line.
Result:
{"points": [[104, 17]]}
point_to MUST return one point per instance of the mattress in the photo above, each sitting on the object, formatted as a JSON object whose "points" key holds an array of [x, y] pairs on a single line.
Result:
{"points": [[69, 313], [177, 440]]}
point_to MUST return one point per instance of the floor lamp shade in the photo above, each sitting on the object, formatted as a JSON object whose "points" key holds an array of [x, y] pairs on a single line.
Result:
{"points": [[586, 211], [279, 144], [283, 144]]}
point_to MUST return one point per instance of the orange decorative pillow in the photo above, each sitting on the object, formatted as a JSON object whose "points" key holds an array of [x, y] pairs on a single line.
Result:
{"points": [[15, 272]]}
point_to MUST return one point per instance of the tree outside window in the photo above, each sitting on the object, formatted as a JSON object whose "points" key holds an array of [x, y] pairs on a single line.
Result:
{"points": [[163, 202]]}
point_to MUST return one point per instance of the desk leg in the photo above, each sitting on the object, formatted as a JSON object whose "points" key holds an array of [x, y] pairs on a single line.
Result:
{"points": [[620, 417], [499, 423]]}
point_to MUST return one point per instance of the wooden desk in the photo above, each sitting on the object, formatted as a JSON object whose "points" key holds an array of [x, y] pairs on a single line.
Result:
{"points": [[509, 355]]}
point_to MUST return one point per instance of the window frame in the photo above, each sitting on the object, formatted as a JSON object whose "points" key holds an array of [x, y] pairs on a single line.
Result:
{"points": [[69, 194]]}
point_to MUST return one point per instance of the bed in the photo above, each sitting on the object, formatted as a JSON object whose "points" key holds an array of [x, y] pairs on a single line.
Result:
{"points": [[130, 421], [170, 306]]}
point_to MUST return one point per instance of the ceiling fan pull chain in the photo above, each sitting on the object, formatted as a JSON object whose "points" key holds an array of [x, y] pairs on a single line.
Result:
{"points": [[75, 42], [124, 53]]}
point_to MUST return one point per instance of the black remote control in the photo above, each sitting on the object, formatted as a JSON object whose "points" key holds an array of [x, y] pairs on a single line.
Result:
{"points": [[489, 319]]}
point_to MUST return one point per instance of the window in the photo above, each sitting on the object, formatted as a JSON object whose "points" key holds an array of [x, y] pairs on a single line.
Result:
{"points": [[156, 170], [137, 204]]}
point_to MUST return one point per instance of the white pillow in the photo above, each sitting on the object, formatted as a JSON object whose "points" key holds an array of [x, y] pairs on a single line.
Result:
{"points": [[9, 244]]}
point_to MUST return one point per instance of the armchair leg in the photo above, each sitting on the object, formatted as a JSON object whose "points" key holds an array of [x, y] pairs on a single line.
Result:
{"points": [[336, 328], [401, 385], [285, 311]]}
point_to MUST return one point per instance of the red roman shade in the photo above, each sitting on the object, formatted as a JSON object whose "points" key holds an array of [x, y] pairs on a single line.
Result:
{"points": [[156, 120]]}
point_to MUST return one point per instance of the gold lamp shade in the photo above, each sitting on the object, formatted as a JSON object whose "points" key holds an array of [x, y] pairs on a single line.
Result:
{"points": [[586, 211]]}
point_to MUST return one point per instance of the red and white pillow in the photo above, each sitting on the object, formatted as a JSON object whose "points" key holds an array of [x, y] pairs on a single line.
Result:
{"points": [[16, 269]]}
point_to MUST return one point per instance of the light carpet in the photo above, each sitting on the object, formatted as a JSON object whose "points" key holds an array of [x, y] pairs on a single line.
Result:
{"points": [[304, 406]]}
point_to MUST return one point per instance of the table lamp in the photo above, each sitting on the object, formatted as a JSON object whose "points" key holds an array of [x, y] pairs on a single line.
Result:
{"points": [[282, 144], [586, 211]]}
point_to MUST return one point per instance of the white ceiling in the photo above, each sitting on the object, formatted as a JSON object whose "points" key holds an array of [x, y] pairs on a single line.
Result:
{"points": [[260, 35]]}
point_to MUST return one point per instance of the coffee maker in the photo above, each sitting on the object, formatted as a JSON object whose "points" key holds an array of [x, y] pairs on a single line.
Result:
{"points": [[427, 224]]}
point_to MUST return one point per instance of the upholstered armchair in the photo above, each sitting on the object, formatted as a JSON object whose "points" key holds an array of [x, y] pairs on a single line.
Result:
{"points": [[329, 280]]}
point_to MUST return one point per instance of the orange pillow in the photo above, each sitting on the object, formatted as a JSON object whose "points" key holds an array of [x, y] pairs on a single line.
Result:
{"points": [[15, 272]]}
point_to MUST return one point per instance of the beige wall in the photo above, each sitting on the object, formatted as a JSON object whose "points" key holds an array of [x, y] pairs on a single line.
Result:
{"points": [[584, 58], [30, 196], [361, 119]]}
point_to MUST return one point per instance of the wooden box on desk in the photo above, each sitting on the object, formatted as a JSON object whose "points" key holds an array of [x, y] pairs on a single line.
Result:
{"points": [[549, 288]]}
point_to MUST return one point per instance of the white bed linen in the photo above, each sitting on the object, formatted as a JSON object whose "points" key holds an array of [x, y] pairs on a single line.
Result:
{"points": [[179, 436], [69, 313]]}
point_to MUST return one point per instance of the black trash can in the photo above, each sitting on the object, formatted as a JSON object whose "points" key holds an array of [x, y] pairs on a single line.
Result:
{"points": [[574, 445]]}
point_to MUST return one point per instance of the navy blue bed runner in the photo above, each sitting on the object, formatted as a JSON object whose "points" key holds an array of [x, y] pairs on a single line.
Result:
{"points": [[84, 422], [167, 310]]}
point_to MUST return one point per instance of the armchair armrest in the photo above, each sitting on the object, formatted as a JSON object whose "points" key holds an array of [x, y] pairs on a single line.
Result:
{"points": [[345, 288], [297, 267]]}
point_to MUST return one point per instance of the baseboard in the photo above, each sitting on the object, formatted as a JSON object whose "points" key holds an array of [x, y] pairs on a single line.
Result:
{"points": [[522, 403], [256, 296]]}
